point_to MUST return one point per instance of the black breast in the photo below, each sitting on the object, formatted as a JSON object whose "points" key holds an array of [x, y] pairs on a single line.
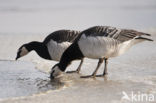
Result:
{"points": [[62, 36]]}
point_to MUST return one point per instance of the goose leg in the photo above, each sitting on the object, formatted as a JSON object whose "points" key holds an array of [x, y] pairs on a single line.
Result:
{"points": [[78, 69], [105, 69], [94, 73]]}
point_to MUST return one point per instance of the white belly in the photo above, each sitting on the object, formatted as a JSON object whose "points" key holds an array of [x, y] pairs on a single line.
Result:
{"points": [[56, 49], [98, 47]]}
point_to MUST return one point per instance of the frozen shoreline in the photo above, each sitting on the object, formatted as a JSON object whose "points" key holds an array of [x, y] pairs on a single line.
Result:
{"points": [[22, 21], [129, 72]]}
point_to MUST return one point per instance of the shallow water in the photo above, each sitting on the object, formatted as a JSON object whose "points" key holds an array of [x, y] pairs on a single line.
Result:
{"points": [[27, 80], [19, 78], [135, 71]]}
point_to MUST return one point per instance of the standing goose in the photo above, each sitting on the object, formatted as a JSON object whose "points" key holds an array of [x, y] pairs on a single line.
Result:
{"points": [[99, 42], [52, 47]]}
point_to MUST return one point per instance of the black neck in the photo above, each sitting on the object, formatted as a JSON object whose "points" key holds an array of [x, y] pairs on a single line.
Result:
{"points": [[40, 48], [72, 53]]}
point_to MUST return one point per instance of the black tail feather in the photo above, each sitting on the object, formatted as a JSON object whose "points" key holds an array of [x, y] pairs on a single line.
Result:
{"points": [[144, 38]]}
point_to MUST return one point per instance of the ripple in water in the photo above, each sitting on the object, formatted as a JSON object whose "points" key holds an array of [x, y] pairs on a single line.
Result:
{"points": [[19, 78]]}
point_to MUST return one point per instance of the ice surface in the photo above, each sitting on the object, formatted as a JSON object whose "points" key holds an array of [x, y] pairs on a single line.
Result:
{"points": [[26, 80]]}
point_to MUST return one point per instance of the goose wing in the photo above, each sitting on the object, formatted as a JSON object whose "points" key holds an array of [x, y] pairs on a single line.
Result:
{"points": [[62, 36], [121, 35]]}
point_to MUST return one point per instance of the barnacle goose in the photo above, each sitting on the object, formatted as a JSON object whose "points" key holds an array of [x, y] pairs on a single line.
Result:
{"points": [[99, 42], [52, 47]]}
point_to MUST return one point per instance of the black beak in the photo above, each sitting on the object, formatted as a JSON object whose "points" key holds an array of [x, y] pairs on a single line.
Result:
{"points": [[51, 76], [16, 57]]}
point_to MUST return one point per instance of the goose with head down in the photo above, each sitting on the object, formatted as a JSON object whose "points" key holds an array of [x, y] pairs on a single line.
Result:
{"points": [[99, 42], [52, 47]]}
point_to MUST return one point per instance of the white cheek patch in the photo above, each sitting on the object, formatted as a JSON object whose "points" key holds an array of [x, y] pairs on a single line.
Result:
{"points": [[56, 71], [24, 51]]}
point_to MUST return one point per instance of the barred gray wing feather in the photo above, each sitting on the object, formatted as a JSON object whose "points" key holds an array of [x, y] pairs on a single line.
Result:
{"points": [[126, 35], [62, 36], [121, 35]]}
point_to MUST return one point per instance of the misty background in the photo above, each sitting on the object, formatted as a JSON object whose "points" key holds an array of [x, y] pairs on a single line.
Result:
{"points": [[45, 16]]}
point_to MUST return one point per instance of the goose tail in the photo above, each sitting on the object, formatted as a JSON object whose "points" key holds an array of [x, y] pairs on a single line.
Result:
{"points": [[144, 38], [141, 37]]}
